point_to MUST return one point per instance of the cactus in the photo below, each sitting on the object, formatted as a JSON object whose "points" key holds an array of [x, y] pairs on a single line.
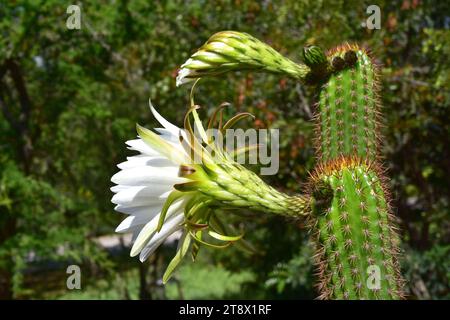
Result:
{"points": [[353, 231], [347, 117], [346, 200], [355, 234]]}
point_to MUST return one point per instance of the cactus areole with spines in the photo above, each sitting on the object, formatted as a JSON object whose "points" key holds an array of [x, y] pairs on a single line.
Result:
{"points": [[346, 202]]}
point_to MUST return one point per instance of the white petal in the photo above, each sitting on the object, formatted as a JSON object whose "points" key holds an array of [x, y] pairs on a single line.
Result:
{"points": [[166, 124], [212, 56], [118, 188], [141, 195], [138, 202], [148, 176], [169, 227], [141, 160], [133, 221], [139, 210], [183, 69], [148, 231], [197, 64], [150, 210], [168, 135], [142, 147], [126, 224], [172, 150], [182, 76], [135, 229], [140, 216], [147, 251]]}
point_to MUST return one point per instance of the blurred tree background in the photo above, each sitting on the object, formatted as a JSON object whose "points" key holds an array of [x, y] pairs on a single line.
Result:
{"points": [[69, 99]]}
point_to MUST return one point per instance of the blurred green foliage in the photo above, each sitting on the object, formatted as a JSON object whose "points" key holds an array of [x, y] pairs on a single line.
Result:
{"points": [[70, 98]]}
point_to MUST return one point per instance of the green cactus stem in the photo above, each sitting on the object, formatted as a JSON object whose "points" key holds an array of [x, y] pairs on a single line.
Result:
{"points": [[347, 108], [354, 235]]}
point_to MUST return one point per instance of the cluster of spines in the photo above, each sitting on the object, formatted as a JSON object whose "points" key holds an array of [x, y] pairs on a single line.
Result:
{"points": [[356, 231], [347, 112]]}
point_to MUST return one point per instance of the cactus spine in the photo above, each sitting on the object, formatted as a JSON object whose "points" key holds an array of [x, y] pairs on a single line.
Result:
{"points": [[350, 216]]}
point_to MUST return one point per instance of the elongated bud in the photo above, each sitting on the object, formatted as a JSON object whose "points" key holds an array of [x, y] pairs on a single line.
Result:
{"points": [[231, 51]]}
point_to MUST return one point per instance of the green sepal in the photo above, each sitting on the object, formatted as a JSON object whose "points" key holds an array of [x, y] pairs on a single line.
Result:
{"points": [[219, 111], [173, 196], [156, 142], [212, 245], [242, 244], [230, 123], [222, 237], [196, 204], [183, 247], [195, 246], [243, 150], [196, 226], [190, 186]]}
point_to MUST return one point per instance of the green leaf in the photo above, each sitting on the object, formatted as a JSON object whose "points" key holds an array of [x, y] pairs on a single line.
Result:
{"points": [[212, 245]]}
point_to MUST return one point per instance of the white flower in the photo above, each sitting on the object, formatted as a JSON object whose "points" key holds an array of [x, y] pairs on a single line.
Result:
{"points": [[144, 184], [175, 183]]}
